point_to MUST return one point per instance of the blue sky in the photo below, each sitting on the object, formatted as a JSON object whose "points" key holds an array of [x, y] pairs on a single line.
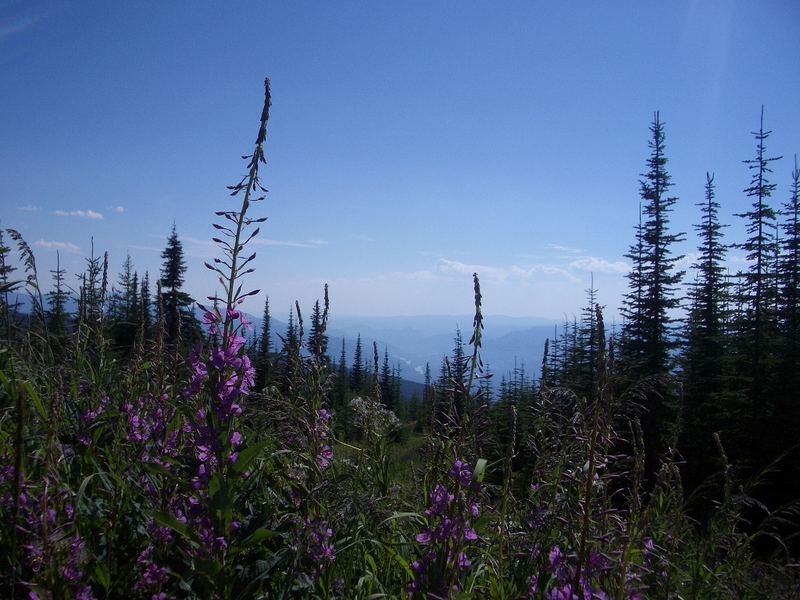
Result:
{"points": [[410, 143]]}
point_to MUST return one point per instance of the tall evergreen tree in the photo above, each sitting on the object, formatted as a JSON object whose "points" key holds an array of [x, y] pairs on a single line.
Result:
{"points": [[652, 298], [704, 358], [290, 355], [124, 311], [357, 376], [428, 398], [790, 266], [588, 343], [6, 286], [263, 359], [341, 392], [787, 397], [317, 338], [755, 330], [386, 381], [122, 297], [146, 308], [633, 302], [57, 303], [458, 374], [175, 300]]}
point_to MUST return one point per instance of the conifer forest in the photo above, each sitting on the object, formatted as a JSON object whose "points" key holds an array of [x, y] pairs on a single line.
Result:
{"points": [[159, 446]]}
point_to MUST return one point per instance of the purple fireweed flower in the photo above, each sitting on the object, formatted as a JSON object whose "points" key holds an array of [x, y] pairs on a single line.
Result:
{"points": [[563, 593], [533, 586], [441, 500], [73, 570], [211, 320], [447, 536], [236, 439], [325, 457], [461, 472], [85, 593], [558, 564], [424, 538], [315, 545]]}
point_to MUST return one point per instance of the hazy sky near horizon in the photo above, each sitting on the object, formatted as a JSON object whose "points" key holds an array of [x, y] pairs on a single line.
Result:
{"points": [[409, 145]]}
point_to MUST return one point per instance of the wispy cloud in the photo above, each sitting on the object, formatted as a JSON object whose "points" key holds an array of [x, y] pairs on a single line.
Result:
{"points": [[29, 208], [119, 209], [84, 214], [53, 245], [289, 243], [19, 25], [145, 248], [599, 265], [502, 273], [567, 249]]}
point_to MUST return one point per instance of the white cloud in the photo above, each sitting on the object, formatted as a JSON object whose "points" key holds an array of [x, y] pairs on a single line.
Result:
{"points": [[289, 243], [29, 208], [53, 245], [567, 249], [20, 25], [84, 214], [599, 265], [119, 209], [501, 273]]}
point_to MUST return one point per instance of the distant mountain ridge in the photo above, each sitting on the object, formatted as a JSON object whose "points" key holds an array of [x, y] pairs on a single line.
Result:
{"points": [[413, 341]]}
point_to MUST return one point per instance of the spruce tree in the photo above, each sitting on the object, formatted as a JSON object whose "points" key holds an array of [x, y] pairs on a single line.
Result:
{"points": [[342, 392], [290, 356], [426, 410], [652, 298], [6, 287], [787, 409], [357, 379], [146, 309], [756, 328], [704, 357], [263, 360], [317, 338], [57, 303], [124, 311], [175, 301], [588, 343], [790, 266], [458, 374], [633, 302], [386, 381]]}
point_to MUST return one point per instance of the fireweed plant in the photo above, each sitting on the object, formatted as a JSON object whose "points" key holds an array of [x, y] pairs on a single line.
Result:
{"points": [[162, 472]]}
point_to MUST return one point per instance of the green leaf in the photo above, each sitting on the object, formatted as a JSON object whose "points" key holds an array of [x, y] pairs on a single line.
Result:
{"points": [[247, 456], [259, 535], [401, 515], [37, 401], [156, 469], [170, 521], [480, 470], [103, 576]]}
